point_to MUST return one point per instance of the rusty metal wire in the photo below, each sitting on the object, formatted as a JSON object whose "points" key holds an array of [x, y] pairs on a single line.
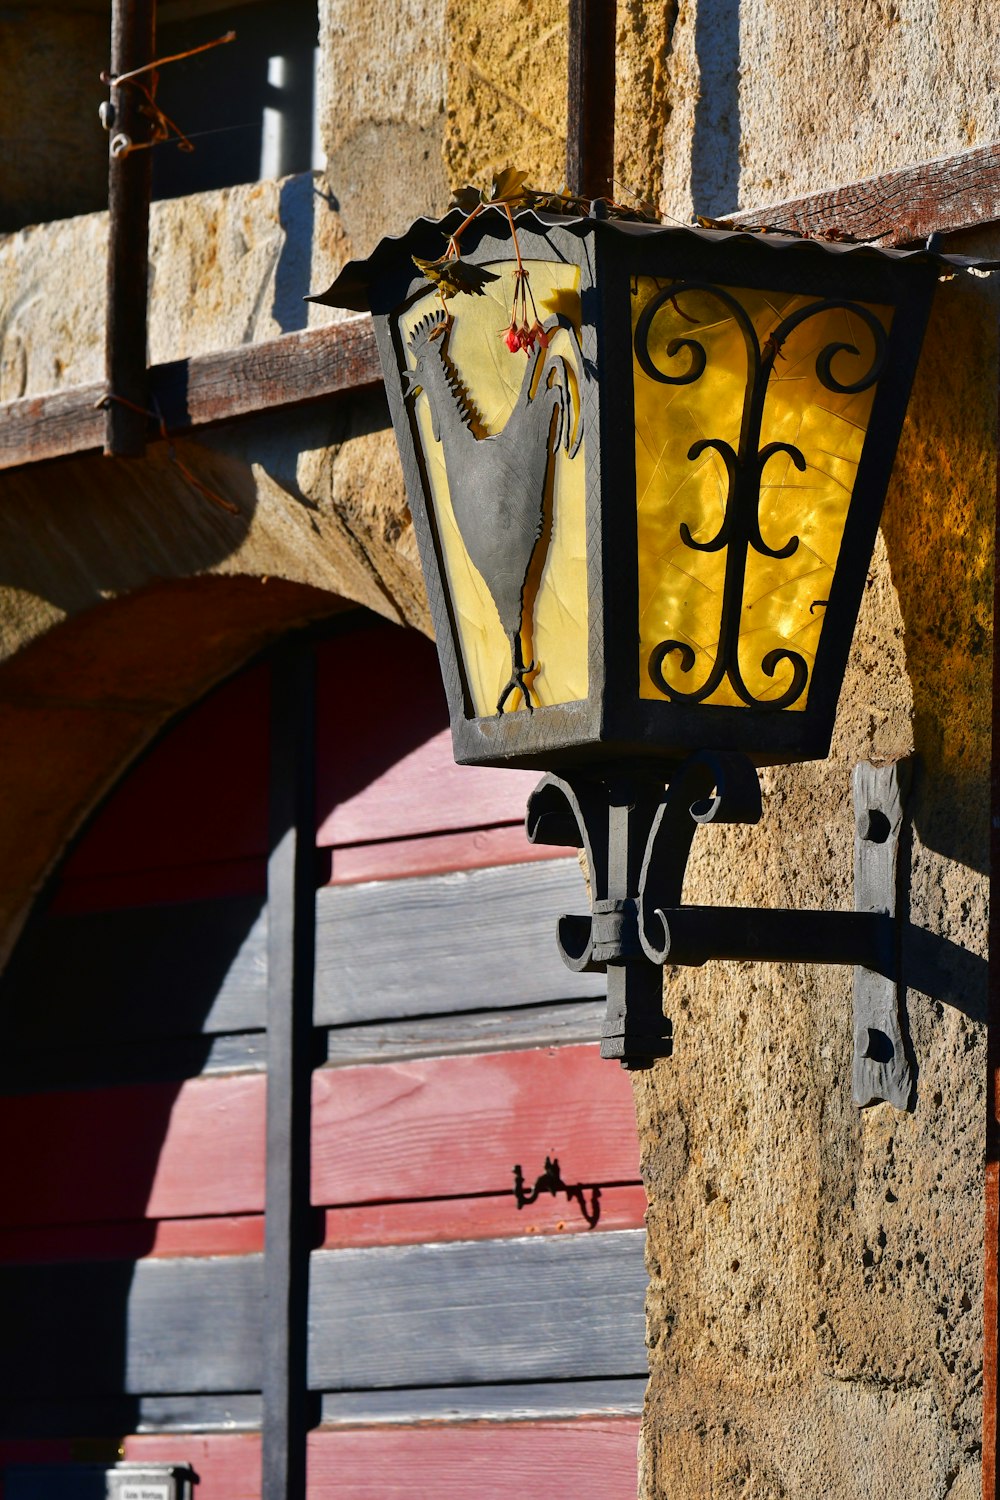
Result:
{"points": [[157, 416]]}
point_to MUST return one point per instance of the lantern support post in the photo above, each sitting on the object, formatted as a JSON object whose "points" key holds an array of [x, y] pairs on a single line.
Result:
{"points": [[637, 833]]}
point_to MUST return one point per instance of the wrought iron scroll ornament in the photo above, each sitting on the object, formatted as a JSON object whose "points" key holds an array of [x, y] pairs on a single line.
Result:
{"points": [[740, 529], [499, 483], [635, 927]]}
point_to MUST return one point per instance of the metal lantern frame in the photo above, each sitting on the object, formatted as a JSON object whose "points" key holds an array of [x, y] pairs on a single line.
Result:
{"points": [[614, 725], [631, 779]]}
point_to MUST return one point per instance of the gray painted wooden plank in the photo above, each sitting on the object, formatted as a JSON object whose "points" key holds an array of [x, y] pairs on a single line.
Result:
{"points": [[144, 972], [439, 943], [478, 1312], [55, 1416], [155, 1327], [166, 1060], [471, 1403], [556, 1025], [535, 1309], [469, 941]]}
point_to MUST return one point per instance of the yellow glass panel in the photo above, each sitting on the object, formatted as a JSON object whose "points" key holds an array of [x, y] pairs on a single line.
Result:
{"points": [[538, 460], [779, 604]]}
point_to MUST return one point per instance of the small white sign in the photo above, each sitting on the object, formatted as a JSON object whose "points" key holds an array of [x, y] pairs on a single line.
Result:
{"points": [[145, 1489]]}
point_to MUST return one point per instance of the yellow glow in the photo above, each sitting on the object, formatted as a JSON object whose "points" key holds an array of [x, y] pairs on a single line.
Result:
{"points": [[554, 628], [680, 588]]}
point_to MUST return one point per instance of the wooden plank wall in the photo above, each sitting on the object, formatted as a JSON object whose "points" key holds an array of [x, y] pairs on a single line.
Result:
{"points": [[457, 1344]]}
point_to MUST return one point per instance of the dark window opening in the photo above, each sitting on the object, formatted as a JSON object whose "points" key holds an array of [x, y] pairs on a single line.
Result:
{"points": [[248, 107]]}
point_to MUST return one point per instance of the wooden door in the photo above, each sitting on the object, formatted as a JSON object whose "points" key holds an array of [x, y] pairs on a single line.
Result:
{"points": [[455, 1344]]}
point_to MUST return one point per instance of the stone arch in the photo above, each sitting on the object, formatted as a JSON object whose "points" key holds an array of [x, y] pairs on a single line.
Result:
{"points": [[81, 702]]}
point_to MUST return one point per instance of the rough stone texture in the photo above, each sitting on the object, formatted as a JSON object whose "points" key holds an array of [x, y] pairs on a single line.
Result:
{"points": [[773, 99], [320, 502], [506, 90], [225, 268], [53, 152], [382, 92], [643, 98]]}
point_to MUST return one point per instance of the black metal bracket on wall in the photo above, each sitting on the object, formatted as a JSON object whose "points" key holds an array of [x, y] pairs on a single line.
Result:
{"points": [[637, 834]]}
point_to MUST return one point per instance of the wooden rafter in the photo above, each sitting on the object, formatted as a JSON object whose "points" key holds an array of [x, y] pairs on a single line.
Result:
{"points": [[130, 180], [903, 207]]}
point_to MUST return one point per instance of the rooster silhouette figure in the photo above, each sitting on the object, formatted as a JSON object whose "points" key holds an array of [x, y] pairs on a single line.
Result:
{"points": [[498, 481]]}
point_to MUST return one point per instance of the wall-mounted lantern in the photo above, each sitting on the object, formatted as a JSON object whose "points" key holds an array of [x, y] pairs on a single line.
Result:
{"points": [[645, 530]]}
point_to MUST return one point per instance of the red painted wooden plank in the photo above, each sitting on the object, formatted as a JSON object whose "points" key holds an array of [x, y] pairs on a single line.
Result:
{"points": [[567, 1460], [151, 1151], [241, 1234], [199, 795], [477, 1218], [432, 1127], [457, 1125], [198, 882], [438, 854], [385, 766], [370, 1224], [227, 1464]]}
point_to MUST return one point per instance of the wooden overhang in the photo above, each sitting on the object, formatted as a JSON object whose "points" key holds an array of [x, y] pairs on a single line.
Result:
{"points": [[900, 208]]}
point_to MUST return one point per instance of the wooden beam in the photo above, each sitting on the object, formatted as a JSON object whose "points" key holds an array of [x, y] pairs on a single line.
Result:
{"points": [[590, 114], [290, 967], [897, 208], [191, 393], [130, 183]]}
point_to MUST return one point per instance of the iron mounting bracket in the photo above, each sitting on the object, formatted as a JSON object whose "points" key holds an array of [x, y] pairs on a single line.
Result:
{"points": [[637, 834]]}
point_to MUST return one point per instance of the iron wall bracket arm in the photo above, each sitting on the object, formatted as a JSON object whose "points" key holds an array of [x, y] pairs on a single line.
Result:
{"points": [[637, 833]]}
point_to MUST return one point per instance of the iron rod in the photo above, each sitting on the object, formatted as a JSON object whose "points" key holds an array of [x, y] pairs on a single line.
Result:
{"points": [[700, 933]]}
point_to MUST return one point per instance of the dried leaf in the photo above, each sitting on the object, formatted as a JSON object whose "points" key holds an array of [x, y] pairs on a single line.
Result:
{"points": [[468, 199], [450, 274], [507, 186]]}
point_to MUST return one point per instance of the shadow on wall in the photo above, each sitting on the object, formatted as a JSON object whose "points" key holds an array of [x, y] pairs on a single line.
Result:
{"points": [[293, 273], [73, 532], [939, 531], [715, 145]]}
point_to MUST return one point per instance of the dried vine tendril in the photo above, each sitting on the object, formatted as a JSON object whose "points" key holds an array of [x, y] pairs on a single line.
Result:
{"points": [[451, 275]]}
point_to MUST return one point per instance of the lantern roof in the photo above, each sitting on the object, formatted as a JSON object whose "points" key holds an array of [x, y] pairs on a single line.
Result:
{"points": [[351, 287]]}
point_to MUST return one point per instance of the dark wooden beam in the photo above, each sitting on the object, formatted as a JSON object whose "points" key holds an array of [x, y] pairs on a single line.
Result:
{"points": [[898, 208], [590, 114], [904, 207], [290, 966], [193, 393], [130, 179]]}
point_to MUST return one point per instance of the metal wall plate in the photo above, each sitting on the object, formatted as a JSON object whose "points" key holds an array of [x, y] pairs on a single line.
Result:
{"points": [[882, 1069]]}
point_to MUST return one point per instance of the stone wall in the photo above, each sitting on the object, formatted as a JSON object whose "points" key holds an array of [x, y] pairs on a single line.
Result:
{"points": [[815, 1307]]}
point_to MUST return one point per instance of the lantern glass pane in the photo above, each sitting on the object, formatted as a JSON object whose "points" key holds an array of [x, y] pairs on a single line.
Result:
{"points": [[751, 409], [500, 432]]}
